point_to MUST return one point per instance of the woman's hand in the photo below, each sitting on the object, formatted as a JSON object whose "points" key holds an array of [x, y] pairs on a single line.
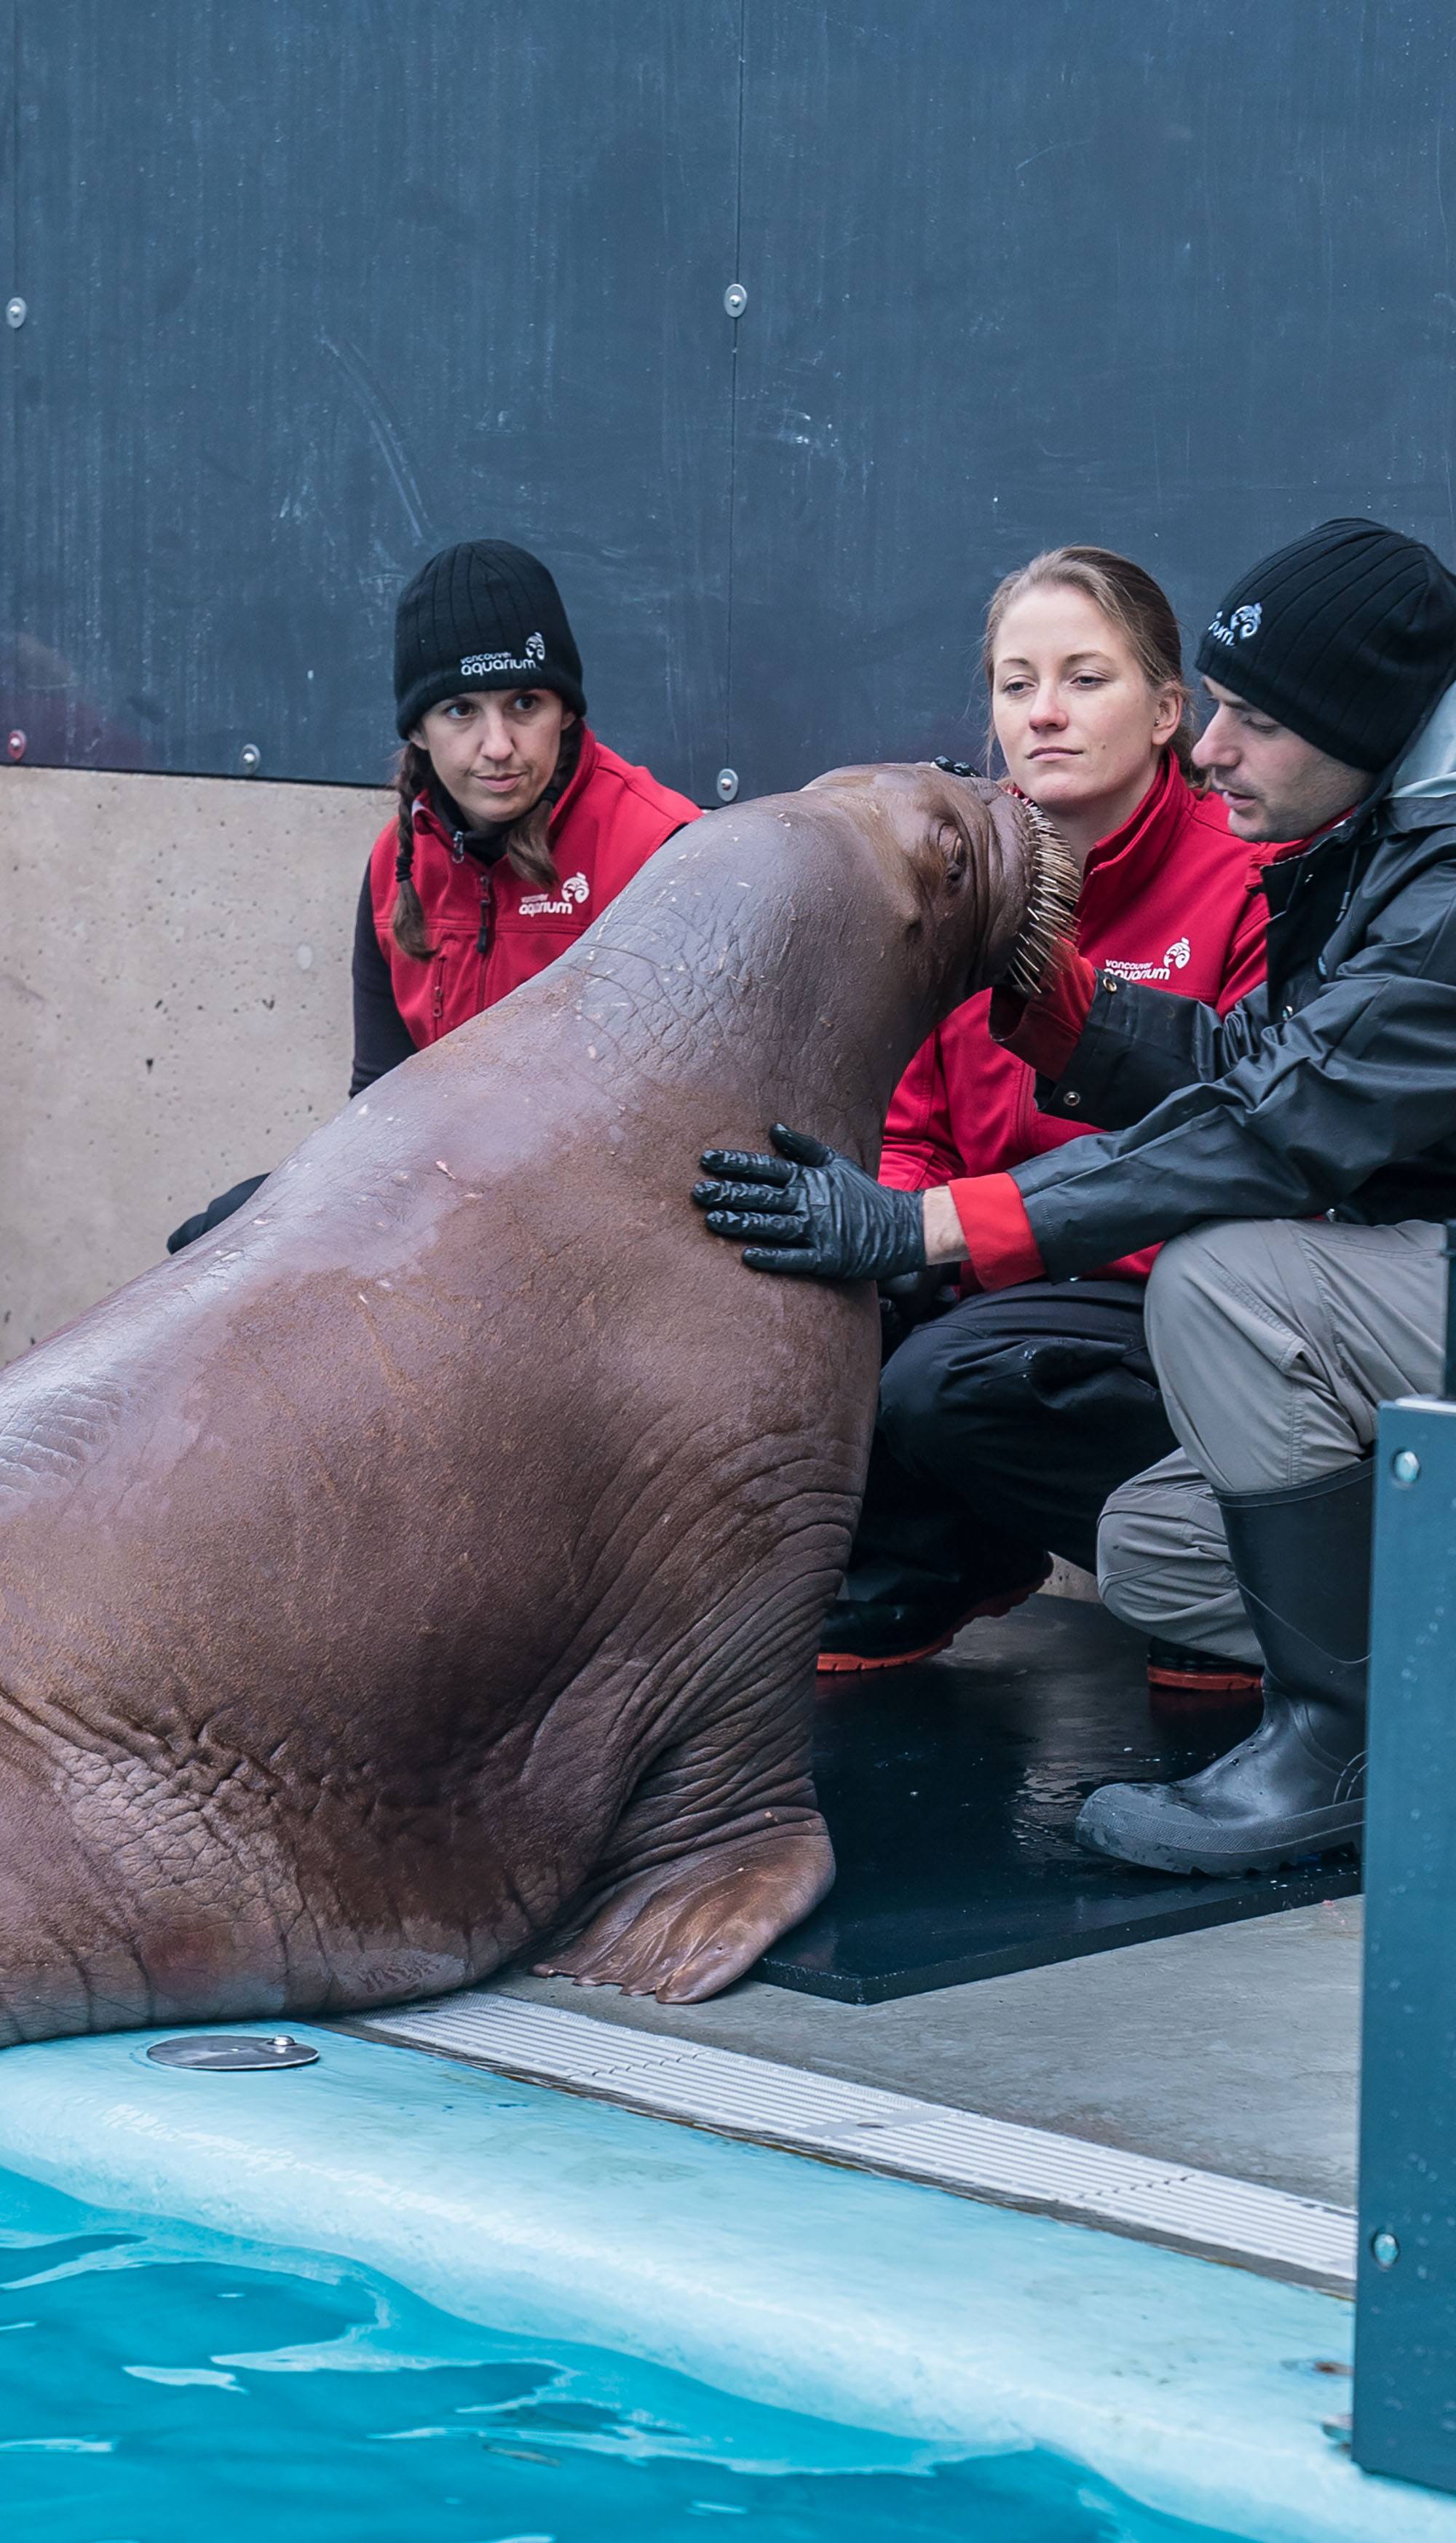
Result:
{"points": [[811, 1211]]}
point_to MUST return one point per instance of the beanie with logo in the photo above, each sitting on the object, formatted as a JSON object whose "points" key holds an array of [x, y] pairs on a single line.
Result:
{"points": [[1348, 636], [484, 615]]}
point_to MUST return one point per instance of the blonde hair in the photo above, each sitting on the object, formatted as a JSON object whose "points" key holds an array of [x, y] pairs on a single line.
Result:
{"points": [[1134, 603]]}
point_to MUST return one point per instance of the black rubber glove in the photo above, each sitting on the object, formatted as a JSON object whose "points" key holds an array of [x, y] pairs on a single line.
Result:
{"points": [[810, 1210], [213, 1215]]}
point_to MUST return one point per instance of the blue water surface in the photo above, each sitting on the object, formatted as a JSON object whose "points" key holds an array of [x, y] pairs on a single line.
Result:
{"points": [[161, 2384]]}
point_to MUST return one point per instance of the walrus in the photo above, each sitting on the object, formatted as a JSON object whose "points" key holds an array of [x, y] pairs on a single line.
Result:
{"points": [[427, 1567]]}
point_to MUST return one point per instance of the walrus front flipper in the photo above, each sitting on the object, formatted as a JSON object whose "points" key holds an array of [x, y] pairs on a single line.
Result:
{"points": [[687, 1929]]}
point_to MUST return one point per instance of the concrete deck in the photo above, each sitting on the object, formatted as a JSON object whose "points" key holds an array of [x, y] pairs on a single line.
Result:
{"points": [[1236, 2050]]}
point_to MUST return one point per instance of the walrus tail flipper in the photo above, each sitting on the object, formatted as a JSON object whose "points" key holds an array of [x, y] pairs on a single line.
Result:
{"points": [[689, 1927]]}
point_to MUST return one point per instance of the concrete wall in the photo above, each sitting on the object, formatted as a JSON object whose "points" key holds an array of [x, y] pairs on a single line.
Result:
{"points": [[175, 1005], [1067, 1581]]}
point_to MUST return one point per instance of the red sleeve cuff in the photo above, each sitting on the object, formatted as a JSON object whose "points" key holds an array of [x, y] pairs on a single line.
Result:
{"points": [[998, 1245], [1044, 1031]]}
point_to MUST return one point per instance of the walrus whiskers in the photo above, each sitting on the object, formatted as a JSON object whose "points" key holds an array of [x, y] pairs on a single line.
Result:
{"points": [[1051, 909]]}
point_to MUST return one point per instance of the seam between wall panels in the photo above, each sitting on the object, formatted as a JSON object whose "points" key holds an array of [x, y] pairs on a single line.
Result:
{"points": [[733, 506]]}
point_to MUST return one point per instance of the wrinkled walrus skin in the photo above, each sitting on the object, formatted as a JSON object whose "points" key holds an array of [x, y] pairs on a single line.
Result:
{"points": [[429, 1562]]}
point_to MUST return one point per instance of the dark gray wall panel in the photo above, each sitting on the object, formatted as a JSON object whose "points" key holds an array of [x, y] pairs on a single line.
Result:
{"points": [[1174, 276], [317, 285], [9, 137]]}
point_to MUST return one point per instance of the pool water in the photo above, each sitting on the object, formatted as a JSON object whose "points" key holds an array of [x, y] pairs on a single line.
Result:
{"points": [[162, 2382]]}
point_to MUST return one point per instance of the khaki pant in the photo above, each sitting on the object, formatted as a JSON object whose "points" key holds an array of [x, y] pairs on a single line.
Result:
{"points": [[1275, 1342]]}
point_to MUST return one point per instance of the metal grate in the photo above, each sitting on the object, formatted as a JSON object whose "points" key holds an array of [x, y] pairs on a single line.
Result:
{"points": [[1204, 2212]]}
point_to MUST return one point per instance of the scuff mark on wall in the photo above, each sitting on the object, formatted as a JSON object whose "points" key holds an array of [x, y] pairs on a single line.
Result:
{"points": [[387, 437]]}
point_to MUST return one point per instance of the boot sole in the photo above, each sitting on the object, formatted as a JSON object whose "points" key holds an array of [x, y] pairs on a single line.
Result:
{"points": [[1236, 1863], [842, 1664], [1197, 1682]]}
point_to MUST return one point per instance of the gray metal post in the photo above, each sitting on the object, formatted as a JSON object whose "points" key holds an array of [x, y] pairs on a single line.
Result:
{"points": [[1404, 2395]]}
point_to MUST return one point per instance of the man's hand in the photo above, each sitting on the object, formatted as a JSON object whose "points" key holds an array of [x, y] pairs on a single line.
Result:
{"points": [[810, 1210]]}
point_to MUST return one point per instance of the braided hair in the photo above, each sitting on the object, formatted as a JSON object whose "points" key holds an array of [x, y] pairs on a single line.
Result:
{"points": [[407, 921], [527, 841]]}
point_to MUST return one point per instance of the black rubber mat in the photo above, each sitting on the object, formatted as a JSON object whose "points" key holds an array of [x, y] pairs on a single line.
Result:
{"points": [[951, 1790]]}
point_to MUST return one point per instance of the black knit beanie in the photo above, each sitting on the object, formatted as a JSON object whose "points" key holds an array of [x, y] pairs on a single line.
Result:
{"points": [[484, 615], [1348, 636]]}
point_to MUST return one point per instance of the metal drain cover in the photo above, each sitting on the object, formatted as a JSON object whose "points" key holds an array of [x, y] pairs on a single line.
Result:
{"points": [[217, 2052]]}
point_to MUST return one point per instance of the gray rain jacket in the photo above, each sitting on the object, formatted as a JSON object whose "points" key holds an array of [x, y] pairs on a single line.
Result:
{"points": [[1330, 1090]]}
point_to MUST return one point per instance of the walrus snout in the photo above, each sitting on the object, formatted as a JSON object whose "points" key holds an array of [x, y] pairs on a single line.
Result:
{"points": [[1024, 907], [1031, 905]]}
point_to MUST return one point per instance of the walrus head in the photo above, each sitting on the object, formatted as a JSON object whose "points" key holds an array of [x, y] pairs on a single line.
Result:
{"points": [[990, 883]]}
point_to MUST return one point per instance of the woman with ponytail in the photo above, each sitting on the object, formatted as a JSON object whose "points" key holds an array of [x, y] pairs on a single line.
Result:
{"points": [[516, 825], [1007, 1421]]}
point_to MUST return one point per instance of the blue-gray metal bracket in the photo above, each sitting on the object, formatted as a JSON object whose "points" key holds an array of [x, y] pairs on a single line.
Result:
{"points": [[1404, 2392]]}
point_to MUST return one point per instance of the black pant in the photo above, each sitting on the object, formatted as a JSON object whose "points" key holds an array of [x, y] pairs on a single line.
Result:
{"points": [[1003, 1427]]}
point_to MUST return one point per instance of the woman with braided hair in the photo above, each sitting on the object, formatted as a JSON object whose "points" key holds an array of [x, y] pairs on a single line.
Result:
{"points": [[515, 826]]}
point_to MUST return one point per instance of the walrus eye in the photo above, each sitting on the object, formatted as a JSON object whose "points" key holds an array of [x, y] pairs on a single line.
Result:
{"points": [[952, 844]]}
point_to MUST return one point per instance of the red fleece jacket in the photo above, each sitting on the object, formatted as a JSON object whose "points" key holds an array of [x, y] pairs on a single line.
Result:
{"points": [[490, 928], [1172, 900]]}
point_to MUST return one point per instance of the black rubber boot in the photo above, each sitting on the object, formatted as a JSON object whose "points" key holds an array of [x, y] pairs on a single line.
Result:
{"points": [[866, 1633], [922, 1565], [1296, 1787]]}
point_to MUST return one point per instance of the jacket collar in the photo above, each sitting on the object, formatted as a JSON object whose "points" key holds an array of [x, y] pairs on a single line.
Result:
{"points": [[1124, 861], [1422, 786], [1282, 852], [582, 776]]}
